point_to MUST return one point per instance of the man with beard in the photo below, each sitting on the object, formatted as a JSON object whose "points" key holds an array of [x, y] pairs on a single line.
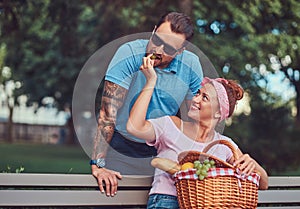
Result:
{"points": [[179, 74]]}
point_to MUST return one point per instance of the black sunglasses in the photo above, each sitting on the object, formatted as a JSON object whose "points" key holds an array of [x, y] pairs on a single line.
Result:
{"points": [[157, 41]]}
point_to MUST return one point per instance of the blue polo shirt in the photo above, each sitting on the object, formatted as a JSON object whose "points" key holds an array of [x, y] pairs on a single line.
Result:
{"points": [[179, 81]]}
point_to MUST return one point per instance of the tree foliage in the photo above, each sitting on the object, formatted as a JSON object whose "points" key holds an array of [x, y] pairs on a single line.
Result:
{"points": [[47, 43], [248, 41]]}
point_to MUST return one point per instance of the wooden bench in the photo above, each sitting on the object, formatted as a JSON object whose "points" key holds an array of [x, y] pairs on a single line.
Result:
{"points": [[74, 190]]}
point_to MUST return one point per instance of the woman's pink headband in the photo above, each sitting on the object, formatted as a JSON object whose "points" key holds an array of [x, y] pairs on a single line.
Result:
{"points": [[221, 93]]}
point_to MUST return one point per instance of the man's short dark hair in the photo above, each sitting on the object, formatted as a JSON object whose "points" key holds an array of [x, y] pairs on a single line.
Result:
{"points": [[180, 23]]}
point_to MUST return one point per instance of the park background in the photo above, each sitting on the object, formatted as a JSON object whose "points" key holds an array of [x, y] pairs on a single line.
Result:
{"points": [[45, 43]]}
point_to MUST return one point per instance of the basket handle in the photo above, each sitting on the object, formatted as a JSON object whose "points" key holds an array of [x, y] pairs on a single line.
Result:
{"points": [[225, 142]]}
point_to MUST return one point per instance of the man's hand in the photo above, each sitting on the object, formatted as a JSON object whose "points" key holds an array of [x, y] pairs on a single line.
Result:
{"points": [[108, 177]]}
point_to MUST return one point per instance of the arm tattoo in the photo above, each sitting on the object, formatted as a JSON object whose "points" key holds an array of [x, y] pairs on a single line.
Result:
{"points": [[112, 99]]}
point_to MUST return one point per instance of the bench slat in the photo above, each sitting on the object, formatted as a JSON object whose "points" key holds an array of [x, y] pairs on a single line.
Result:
{"points": [[81, 190], [279, 196], [284, 181], [136, 197], [68, 180], [70, 198], [33, 179]]}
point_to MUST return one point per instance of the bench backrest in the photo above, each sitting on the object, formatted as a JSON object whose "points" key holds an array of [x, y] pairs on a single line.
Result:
{"points": [[82, 190]]}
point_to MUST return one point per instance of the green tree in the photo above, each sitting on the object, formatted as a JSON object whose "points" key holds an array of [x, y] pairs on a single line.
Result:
{"points": [[2, 57], [258, 33], [43, 48], [48, 42], [248, 41], [7, 77]]}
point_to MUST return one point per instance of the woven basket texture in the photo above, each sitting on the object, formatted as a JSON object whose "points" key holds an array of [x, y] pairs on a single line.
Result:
{"points": [[215, 192]]}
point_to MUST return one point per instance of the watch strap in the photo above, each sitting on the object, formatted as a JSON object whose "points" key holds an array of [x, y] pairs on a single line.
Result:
{"points": [[100, 162]]}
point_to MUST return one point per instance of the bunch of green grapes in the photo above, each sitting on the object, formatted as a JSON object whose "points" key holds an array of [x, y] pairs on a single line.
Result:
{"points": [[202, 168]]}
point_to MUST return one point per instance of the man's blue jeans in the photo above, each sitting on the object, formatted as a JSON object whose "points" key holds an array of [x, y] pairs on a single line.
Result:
{"points": [[162, 201]]}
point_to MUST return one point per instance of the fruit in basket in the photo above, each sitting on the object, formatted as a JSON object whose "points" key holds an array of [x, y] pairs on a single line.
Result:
{"points": [[197, 163], [187, 165], [202, 168], [206, 161]]}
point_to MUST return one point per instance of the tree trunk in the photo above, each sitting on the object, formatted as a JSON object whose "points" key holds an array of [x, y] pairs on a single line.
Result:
{"points": [[297, 88], [9, 133], [71, 136]]}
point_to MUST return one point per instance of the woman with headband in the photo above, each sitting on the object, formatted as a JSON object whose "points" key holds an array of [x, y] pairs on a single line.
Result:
{"points": [[214, 102]]}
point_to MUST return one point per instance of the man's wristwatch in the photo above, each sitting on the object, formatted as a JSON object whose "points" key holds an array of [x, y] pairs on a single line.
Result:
{"points": [[100, 162]]}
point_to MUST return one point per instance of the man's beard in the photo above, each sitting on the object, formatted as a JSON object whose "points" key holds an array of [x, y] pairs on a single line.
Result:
{"points": [[162, 64]]}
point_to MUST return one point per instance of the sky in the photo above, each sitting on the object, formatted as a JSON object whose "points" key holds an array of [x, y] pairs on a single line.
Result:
{"points": [[280, 85]]}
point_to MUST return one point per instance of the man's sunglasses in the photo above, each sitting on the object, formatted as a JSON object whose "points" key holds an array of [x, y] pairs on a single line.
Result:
{"points": [[157, 41]]}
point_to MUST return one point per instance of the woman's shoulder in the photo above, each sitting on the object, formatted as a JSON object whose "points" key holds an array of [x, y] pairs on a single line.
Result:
{"points": [[163, 120], [176, 120]]}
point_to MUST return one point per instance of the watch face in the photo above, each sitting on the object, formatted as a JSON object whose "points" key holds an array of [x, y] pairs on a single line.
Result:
{"points": [[100, 162]]}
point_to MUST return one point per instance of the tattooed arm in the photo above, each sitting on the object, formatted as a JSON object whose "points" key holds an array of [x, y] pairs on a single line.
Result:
{"points": [[112, 99]]}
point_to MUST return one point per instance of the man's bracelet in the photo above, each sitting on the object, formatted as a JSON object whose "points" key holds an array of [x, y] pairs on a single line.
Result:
{"points": [[100, 162]]}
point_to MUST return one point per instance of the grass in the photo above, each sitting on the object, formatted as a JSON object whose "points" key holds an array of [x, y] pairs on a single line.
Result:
{"points": [[43, 158]]}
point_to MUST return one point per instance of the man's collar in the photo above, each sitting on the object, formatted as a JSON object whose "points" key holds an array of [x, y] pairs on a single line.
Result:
{"points": [[173, 66]]}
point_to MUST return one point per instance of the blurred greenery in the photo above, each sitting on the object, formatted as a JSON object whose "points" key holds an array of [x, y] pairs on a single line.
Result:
{"points": [[43, 158], [46, 43]]}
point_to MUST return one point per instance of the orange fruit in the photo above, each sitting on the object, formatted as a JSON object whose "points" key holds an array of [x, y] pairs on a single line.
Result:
{"points": [[187, 165]]}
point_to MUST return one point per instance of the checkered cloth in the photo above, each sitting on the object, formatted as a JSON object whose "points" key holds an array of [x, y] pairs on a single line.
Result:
{"points": [[214, 172]]}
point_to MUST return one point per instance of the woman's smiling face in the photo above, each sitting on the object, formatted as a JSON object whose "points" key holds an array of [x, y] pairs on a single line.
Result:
{"points": [[205, 104]]}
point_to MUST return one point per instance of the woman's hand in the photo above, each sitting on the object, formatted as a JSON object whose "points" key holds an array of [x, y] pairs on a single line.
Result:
{"points": [[148, 69], [245, 164], [248, 165], [137, 124]]}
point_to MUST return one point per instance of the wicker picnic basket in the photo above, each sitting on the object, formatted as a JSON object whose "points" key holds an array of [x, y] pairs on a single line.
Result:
{"points": [[215, 192]]}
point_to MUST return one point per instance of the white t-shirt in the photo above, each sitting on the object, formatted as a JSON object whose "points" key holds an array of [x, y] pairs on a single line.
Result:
{"points": [[170, 142]]}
